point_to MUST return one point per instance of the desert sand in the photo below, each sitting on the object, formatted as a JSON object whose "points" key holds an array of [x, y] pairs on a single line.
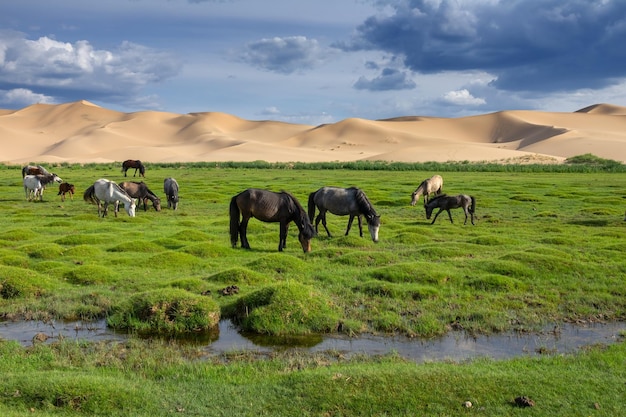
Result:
{"points": [[81, 132]]}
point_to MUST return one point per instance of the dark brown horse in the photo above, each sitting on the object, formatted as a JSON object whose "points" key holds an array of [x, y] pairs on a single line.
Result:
{"points": [[131, 163], [269, 206], [142, 193], [66, 188], [444, 202]]}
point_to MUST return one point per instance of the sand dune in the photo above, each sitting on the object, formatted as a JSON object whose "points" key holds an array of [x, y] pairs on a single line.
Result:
{"points": [[83, 132]]}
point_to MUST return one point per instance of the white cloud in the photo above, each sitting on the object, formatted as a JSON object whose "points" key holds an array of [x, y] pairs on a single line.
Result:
{"points": [[22, 97], [284, 55], [463, 98]]}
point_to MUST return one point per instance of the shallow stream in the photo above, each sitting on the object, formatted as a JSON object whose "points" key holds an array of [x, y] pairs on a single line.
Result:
{"points": [[455, 346]]}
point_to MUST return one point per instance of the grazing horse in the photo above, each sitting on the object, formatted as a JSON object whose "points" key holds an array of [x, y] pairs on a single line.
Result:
{"points": [[66, 188], [444, 202], [140, 191], [431, 185], [341, 202], [33, 170], [131, 163], [269, 206], [35, 184], [170, 187], [109, 192]]}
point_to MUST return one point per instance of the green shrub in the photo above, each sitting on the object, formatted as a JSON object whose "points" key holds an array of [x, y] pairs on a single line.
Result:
{"points": [[166, 311], [287, 308], [19, 282]]}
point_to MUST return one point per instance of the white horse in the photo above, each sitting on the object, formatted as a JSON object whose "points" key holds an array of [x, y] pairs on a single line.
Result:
{"points": [[35, 184], [107, 191], [431, 185]]}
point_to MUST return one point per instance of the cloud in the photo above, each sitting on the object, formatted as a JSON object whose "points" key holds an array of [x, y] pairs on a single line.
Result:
{"points": [[69, 71], [22, 97], [284, 55], [462, 98], [389, 79], [534, 45]]}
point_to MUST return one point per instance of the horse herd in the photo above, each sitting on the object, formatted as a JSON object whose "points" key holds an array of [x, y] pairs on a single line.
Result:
{"points": [[267, 206], [103, 191], [284, 208]]}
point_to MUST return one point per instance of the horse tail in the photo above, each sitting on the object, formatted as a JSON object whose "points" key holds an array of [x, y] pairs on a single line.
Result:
{"points": [[234, 221], [88, 196], [312, 206], [472, 209]]}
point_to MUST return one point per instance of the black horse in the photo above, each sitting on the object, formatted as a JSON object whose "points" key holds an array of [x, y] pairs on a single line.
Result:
{"points": [[269, 206], [131, 163], [344, 201], [444, 202], [170, 188]]}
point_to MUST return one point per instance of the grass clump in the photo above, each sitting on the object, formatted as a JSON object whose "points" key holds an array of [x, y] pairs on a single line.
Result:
{"points": [[286, 308], [90, 274], [19, 282], [166, 311]]}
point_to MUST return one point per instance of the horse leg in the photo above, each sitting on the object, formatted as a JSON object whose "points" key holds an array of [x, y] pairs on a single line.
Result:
{"points": [[282, 241], [360, 225], [350, 220], [449, 215], [322, 217], [243, 229], [437, 215]]}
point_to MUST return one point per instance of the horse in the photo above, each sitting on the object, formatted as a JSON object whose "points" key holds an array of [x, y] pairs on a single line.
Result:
{"points": [[131, 163], [341, 202], [429, 186], [170, 187], [140, 191], [269, 206], [444, 202], [66, 188], [34, 185], [34, 170], [109, 192]]}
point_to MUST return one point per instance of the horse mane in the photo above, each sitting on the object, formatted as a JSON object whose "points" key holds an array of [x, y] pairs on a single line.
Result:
{"points": [[363, 202], [305, 225]]}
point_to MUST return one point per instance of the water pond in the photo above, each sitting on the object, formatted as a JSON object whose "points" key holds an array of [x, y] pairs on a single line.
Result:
{"points": [[455, 346]]}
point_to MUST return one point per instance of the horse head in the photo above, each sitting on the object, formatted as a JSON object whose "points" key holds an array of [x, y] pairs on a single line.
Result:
{"points": [[373, 225]]}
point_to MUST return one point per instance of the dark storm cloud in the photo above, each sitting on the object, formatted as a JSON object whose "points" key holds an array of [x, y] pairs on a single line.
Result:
{"points": [[389, 79], [529, 45], [284, 55]]}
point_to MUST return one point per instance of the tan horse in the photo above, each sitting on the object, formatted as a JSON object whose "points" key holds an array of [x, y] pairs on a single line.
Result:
{"points": [[429, 186]]}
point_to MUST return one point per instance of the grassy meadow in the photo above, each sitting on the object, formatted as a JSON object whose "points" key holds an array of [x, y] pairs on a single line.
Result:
{"points": [[547, 248]]}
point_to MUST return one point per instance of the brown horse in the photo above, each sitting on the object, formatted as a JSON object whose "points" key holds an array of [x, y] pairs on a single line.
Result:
{"points": [[431, 185], [444, 202], [269, 206], [142, 193], [34, 170], [131, 163], [66, 188]]}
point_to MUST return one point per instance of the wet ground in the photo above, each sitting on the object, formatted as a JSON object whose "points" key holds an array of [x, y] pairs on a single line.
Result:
{"points": [[455, 346]]}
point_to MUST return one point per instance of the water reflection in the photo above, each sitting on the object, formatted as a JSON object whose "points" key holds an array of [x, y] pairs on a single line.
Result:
{"points": [[455, 346]]}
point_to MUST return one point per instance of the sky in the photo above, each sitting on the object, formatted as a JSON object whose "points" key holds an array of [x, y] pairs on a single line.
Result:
{"points": [[315, 62]]}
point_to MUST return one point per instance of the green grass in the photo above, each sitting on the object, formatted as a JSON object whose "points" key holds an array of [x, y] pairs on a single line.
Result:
{"points": [[547, 248]]}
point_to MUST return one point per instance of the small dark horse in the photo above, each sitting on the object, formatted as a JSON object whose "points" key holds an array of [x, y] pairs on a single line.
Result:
{"points": [[142, 193], [170, 188], [344, 201], [66, 188], [444, 202], [131, 163], [269, 206]]}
